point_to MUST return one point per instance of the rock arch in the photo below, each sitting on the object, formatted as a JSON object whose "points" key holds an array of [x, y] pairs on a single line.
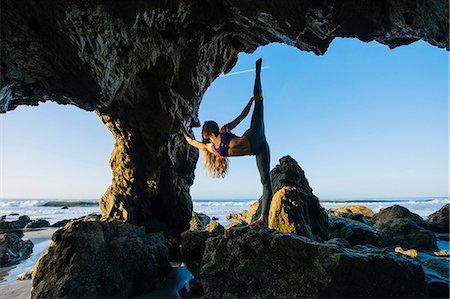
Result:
{"points": [[140, 65]]}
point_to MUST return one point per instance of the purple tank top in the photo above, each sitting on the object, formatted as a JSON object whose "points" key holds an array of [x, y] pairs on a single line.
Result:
{"points": [[225, 139]]}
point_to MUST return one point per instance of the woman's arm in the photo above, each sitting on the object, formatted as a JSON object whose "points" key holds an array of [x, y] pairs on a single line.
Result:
{"points": [[191, 140], [233, 124]]}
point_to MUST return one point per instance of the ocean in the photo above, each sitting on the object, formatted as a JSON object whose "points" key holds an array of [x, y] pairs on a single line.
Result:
{"points": [[51, 209]]}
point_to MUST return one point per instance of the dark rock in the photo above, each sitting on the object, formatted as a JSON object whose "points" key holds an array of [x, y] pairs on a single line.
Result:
{"points": [[14, 214], [439, 220], [192, 248], [405, 228], [262, 263], [193, 290], [437, 275], [443, 237], [38, 223], [12, 225], [64, 208], [61, 223], [95, 257], [142, 67], [4, 217], [356, 233], [214, 218], [199, 221], [13, 249], [356, 217]]}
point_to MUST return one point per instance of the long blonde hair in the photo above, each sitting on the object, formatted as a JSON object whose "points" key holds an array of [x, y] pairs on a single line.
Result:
{"points": [[216, 166]]}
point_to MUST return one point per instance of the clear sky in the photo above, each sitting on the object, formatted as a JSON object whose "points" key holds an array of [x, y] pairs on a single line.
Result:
{"points": [[362, 121]]}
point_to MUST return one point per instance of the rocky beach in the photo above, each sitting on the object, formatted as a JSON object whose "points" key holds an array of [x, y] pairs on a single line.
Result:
{"points": [[306, 251]]}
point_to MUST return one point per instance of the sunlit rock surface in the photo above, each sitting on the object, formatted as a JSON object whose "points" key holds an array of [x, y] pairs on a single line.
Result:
{"points": [[141, 65]]}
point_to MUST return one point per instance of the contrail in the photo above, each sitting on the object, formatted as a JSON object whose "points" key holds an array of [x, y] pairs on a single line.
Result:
{"points": [[243, 72]]}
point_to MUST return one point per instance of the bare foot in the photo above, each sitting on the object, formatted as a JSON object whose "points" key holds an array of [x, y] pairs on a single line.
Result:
{"points": [[258, 65], [262, 220]]}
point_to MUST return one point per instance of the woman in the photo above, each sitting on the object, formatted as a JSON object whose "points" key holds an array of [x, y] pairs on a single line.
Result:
{"points": [[218, 144]]}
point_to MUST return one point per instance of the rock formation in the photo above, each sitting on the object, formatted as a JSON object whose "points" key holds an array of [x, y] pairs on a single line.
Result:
{"points": [[439, 220], [13, 249], [357, 209], [37, 223], [199, 221], [142, 65], [262, 263], [95, 257], [294, 207], [12, 225], [405, 228], [356, 233]]}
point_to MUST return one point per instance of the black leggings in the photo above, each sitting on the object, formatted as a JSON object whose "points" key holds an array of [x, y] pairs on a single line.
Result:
{"points": [[260, 148]]}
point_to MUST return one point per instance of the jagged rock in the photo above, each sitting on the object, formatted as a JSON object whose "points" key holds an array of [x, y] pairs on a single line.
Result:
{"points": [[192, 248], [38, 223], [215, 227], [25, 275], [61, 223], [437, 275], [260, 263], [11, 225], [410, 252], [13, 249], [405, 228], [294, 208], [356, 233], [95, 257], [199, 221], [355, 209], [439, 220], [143, 66]]}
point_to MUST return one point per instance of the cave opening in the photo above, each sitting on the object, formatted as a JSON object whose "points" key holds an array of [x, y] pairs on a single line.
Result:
{"points": [[353, 118]]}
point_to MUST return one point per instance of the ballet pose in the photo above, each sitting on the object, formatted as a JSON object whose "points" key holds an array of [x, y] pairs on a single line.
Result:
{"points": [[217, 145]]}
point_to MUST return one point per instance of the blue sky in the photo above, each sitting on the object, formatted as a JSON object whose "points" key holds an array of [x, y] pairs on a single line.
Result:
{"points": [[362, 121]]}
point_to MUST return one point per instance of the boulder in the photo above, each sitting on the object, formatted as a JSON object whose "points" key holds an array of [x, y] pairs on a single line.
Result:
{"points": [[199, 221], [439, 220], [355, 209], [13, 249], [38, 223], [192, 248], [263, 263], [11, 225], [95, 257], [215, 227], [405, 229], [294, 208], [246, 215], [356, 233]]}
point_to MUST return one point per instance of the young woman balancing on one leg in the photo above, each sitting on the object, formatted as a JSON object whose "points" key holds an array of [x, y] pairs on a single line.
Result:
{"points": [[218, 144]]}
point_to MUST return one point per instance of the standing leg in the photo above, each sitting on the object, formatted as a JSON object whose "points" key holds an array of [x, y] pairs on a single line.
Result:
{"points": [[263, 163], [257, 90]]}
